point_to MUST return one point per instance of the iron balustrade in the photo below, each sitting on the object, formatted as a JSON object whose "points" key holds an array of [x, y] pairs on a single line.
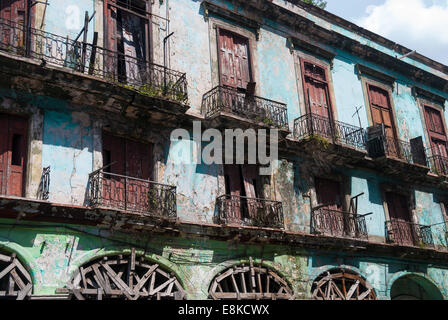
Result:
{"points": [[409, 234], [225, 99], [311, 125], [134, 73], [114, 191], [250, 212], [438, 163], [391, 147], [44, 186], [338, 223]]}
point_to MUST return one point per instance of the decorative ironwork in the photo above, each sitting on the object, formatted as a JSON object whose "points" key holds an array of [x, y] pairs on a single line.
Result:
{"points": [[437, 162], [115, 191], [250, 212], [342, 284], [338, 223], [391, 147], [311, 125], [112, 66], [44, 186], [249, 282], [225, 99], [15, 280], [124, 277], [408, 234]]}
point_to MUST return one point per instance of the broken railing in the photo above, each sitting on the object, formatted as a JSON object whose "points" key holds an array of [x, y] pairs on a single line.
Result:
{"points": [[113, 191], [312, 125], [438, 163], [225, 99], [408, 234], [250, 212], [44, 185], [134, 73], [338, 223]]}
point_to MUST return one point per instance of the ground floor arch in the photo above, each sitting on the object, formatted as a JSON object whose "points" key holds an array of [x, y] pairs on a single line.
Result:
{"points": [[414, 287]]}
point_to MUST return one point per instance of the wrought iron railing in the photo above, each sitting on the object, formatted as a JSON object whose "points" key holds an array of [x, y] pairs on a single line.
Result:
{"points": [[113, 191], [391, 147], [408, 234], [44, 185], [437, 162], [225, 99], [311, 125], [250, 212], [131, 72], [338, 223]]}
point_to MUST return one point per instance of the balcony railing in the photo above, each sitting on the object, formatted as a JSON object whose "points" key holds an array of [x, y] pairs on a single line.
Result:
{"points": [[131, 72], [338, 224], [408, 234], [311, 125], [437, 162], [391, 147], [113, 191], [224, 99], [250, 212]]}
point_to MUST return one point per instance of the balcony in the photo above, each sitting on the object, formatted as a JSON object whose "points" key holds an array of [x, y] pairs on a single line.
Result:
{"points": [[437, 162], [113, 191], [229, 101], [408, 234], [129, 72], [336, 223], [313, 125], [242, 211]]}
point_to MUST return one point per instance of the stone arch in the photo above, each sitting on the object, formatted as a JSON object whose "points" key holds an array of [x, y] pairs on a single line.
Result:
{"points": [[126, 276], [244, 281], [342, 284], [15, 280], [410, 286]]}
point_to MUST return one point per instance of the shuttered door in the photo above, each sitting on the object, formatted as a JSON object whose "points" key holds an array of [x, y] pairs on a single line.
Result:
{"points": [[400, 218], [233, 205], [114, 186], [331, 219], [15, 11], [436, 131], [382, 114], [233, 59], [316, 90], [138, 159], [13, 154], [250, 177]]}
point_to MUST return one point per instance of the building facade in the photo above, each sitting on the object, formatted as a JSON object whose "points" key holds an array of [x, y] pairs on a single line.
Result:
{"points": [[97, 201]]}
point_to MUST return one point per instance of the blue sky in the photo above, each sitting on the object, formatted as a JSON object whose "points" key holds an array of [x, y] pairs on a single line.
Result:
{"points": [[420, 25]]}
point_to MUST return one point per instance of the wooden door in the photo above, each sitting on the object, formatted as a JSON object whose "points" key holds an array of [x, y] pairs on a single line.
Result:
{"points": [[114, 192], [234, 59], [13, 154], [381, 111], [233, 202], [138, 158], [331, 217], [437, 136], [251, 181], [400, 218]]}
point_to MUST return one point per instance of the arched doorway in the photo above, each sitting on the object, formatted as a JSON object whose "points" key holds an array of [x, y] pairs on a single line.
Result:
{"points": [[342, 284], [125, 277], [414, 287], [249, 282], [15, 280]]}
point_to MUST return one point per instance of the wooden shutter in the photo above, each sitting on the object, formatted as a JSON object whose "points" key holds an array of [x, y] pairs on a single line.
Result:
{"points": [[138, 160], [234, 59], [436, 130], [316, 89], [328, 193], [115, 146], [400, 216], [381, 109], [111, 25], [232, 171], [4, 135]]}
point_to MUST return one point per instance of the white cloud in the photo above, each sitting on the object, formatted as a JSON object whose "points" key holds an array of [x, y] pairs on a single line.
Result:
{"points": [[417, 24]]}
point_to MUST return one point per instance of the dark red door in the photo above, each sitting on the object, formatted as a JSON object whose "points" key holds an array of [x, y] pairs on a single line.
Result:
{"points": [[438, 139], [13, 154], [234, 59], [331, 217], [233, 202], [400, 218], [114, 184], [381, 111]]}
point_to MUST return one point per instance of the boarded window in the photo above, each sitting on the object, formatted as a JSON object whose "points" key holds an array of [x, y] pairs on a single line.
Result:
{"points": [[13, 152], [234, 59], [316, 89]]}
